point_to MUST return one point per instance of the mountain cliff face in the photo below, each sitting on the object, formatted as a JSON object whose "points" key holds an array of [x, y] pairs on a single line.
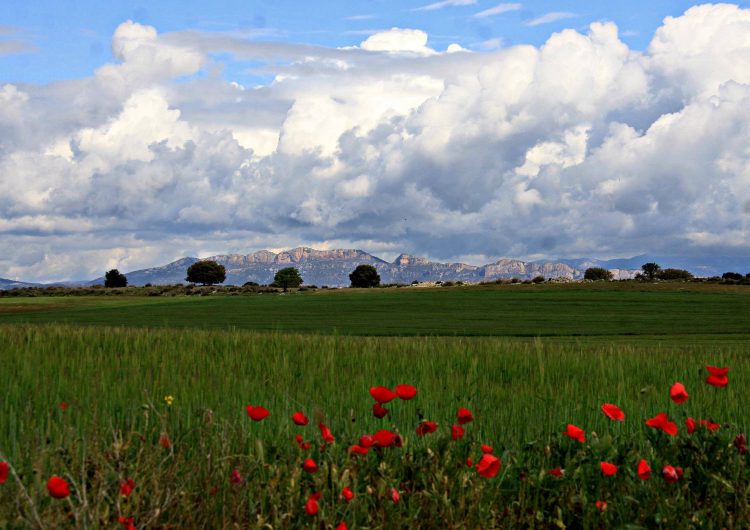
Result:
{"points": [[332, 268]]}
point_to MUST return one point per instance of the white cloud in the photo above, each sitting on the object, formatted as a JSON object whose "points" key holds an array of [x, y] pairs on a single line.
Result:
{"points": [[398, 40], [445, 3], [497, 10], [550, 17], [581, 146]]}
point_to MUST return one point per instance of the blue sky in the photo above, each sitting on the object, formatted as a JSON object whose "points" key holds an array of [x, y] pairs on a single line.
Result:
{"points": [[133, 134], [70, 39]]}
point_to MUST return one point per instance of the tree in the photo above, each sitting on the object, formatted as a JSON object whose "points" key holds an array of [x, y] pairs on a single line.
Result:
{"points": [[206, 272], [114, 278], [365, 276], [736, 276], [288, 277], [597, 273], [650, 270], [674, 274]]}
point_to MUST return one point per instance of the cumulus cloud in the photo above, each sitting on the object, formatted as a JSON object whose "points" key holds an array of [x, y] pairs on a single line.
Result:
{"points": [[578, 147]]}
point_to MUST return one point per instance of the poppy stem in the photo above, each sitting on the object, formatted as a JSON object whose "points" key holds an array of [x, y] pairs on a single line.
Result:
{"points": [[23, 490]]}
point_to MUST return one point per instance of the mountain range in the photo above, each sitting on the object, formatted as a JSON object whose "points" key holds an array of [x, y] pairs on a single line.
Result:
{"points": [[332, 268]]}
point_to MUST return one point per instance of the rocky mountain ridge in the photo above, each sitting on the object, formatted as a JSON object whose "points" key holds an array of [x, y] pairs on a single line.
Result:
{"points": [[332, 268]]}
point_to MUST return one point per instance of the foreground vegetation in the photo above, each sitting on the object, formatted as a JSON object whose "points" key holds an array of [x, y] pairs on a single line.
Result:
{"points": [[88, 405]]}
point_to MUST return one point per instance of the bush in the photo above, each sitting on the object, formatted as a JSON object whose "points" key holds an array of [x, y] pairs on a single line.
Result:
{"points": [[734, 276], [364, 276], [250, 284], [206, 272], [286, 278], [597, 274], [114, 278], [538, 279], [674, 274]]}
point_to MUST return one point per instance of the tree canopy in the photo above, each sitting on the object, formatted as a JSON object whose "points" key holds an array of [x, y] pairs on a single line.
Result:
{"points": [[286, 278], [114, 278], [206, 272], [365, 276], [597, 273], [650, 270]]}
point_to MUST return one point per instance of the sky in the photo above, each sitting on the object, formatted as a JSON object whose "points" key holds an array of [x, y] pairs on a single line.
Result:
{"points": [[132, 134]]}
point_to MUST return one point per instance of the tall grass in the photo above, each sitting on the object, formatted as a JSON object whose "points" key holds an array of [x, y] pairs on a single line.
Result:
{"points": [[115, 380]]}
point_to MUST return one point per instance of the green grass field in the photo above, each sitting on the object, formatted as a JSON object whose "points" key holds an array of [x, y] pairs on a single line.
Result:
{"points": [[114, 359], [670, 311]]}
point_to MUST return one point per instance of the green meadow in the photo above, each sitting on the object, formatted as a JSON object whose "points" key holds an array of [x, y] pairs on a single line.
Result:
{"points": [[526, 360]]}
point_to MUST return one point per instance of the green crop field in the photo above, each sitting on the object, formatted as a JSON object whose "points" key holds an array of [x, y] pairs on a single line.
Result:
{"points": [[628, 309], [567, 350]]}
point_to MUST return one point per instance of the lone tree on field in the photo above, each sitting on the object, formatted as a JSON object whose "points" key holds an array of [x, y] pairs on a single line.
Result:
{"points": [[650, 270], [114, 278], [206, 272], [365, 276], [597, 273], [288, 277]]}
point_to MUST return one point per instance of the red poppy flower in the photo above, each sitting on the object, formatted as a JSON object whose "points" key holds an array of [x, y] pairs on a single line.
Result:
{"points": [[256, 413], [557, 472], [457, 432], [128, 523], [4, 472], [395, 497], [406, 392], [740, 442], [164, 441], [426, 427], [397, 441], [690, 425], [379, 411], [325, 432], [384, 438], [58, 487], [678, 394], [601, 505], [661, 421], [576, 433], [717, 371], [670, 474], [304, 446], [710, 425], [64, 406], [644, 470], [469, 462], [300, 419], [127, 487], [310, 466], [718, 376], [347, 494], [342, 526], [311, 506], [488, 465], [358, 449], [382, 394], [464, 416], [486, 448], [235, 477], [366, 440], [613, 412], [608, 469]]}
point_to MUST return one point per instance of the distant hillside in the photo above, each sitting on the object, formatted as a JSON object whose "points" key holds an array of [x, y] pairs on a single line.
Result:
{"points": [[332, 268], [12, 284]]}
